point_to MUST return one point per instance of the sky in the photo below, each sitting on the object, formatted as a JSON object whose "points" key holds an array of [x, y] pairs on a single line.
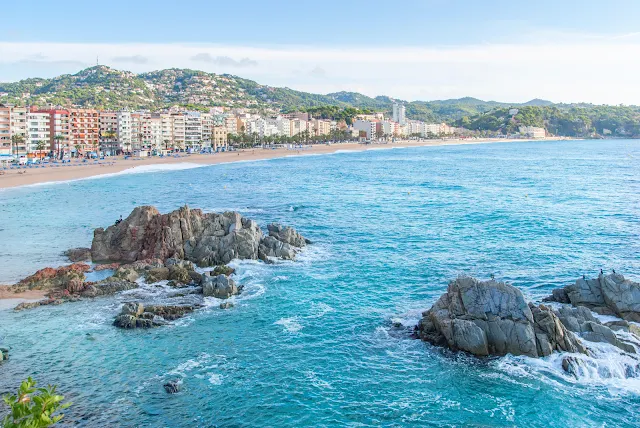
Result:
{"points": [[510, 51]]}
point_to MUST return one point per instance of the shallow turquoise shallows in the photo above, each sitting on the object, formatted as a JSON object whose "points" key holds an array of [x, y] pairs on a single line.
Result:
{"points": [[326, 340]]}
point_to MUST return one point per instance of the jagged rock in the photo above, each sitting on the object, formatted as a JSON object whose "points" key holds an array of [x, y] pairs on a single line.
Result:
{"points": [[107, 287], [581, 321], [272, 247], [607, 295], [222, 270], [157, 274], [220, 286], [135, 315], [287, 235], [206, 239], [4, 354], [173, 386], [126, 273], [69, 277], [226, 305], [78, 254], [624, 326], [108, 266], [47, 302], [179, 274], [493, 318]]}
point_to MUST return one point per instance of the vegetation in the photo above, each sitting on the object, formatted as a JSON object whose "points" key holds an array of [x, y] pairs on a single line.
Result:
{"points": [[33, 407], [560, 120]]}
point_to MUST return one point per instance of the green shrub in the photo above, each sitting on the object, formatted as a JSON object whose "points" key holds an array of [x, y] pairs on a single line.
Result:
{"points": [[33, 407]]}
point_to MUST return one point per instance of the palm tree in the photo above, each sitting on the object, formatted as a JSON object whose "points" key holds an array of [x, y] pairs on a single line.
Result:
{"points": [[16, 141], [57, 142], [40, 146], [77, 146]]}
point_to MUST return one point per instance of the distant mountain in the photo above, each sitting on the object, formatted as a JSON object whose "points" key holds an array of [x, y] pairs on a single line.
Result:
{"points": [[107, 88]]}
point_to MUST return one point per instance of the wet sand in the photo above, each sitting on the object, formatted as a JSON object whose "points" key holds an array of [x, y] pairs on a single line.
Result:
{"points": [[9, 299], [31, 176]]}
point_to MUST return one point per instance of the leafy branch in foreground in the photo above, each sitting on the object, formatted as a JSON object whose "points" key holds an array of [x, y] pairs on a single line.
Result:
{"points": [[33, 407]]}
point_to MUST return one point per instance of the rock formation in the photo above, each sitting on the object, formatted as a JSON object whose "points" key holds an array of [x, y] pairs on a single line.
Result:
{"points": [[220, 286], [607, 295], [135, 315], [493, 318], [79, 254], [70, 278], [189, 234], [4, 354]]}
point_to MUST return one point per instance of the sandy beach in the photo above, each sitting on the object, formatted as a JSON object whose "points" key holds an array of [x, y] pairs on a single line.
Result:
{"points": [[30, 176]]}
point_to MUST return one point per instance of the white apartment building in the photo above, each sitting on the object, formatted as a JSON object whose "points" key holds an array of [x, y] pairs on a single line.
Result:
{"points": [[430, 129], [388, 128], [533, 132], [365, 128], [399, 113], [151, 125], [179, 131], [231, 124], [321, 127], [193, 130], [207, 129], [38, 133], [109, 132], [124, 129], [283, 126]]}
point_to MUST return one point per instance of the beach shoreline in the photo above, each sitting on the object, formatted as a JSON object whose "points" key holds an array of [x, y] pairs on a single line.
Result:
{"points": [[34, 176]]}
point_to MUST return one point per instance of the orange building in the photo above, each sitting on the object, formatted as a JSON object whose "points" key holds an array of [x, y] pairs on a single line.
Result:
{"points": [[84, 126]]}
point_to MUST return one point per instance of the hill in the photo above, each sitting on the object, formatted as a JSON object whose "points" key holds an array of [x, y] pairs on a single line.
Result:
{"points": [[106, 88]]}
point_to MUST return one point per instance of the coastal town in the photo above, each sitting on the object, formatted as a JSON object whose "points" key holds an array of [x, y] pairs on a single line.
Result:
{"points": [[29, 134]]}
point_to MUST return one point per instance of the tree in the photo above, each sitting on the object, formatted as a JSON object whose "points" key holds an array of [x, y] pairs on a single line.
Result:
{"points": [[33, 407], [58, 140], [40, 146], [16, 141]]}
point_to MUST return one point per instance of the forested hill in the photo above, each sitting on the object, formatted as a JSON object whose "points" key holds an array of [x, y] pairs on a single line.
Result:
{"points": [[583, 120], [106, 88]]}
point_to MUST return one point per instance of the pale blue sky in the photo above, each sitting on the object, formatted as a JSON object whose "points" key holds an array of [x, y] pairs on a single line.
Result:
{"points": [[409, 49]]}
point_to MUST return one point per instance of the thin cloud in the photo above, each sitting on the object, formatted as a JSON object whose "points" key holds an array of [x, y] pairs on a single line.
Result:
{"points": [[224, 61], [318, 71], [133, 59]]}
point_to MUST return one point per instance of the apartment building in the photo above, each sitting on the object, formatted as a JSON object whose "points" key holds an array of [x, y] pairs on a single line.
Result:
{"points": [[399, 113], [322, 127], [84, 126], [207, 123], [136, 133], [193, 130], [232, 124], [366, 128], [5, 131], [124, 130], [533, 132], [39, 133], [109, 142], [219, 138], [179, 131]]}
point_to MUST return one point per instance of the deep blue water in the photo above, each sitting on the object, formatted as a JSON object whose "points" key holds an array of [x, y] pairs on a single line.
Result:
{"points": [[313, 342]]}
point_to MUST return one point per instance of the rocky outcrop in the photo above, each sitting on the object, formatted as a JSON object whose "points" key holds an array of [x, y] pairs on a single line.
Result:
{"points": [[69, 278], [107, 287], [607, 295], [493, 318], [189, 234], [4, 354], [173, 386], [580, 320], [136, 315], [78, 254], [220, 286]]}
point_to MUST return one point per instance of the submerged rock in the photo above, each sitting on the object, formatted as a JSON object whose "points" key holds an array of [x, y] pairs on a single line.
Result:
{"points": [[173, 386], [78, 254], [4, 354], [607, 295], [189, 234], [493, 318], [226, 305], [136, 315]]}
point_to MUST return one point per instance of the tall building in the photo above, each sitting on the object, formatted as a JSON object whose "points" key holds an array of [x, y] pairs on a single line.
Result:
{"points": [[219, 138], [123, 119], [84, 125], [109, 132], [5, 131], [38, 133], [399, 113], [366, 128], [193, 130]]}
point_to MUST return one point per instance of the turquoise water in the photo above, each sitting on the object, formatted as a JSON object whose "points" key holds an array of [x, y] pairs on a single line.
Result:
{"points": [[325, 340]]}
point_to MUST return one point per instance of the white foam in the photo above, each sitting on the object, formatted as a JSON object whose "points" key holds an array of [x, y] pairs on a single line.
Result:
{"points": [[215, 379], [290, 325]]}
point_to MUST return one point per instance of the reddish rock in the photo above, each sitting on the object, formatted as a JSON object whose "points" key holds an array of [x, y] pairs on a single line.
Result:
{"points": [[50, 278]]}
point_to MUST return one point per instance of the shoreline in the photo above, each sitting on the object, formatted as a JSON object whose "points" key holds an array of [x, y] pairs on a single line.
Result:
{"points": [[49, 175]]}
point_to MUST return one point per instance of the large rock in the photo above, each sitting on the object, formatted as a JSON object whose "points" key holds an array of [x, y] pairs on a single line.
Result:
{"points": [[493, 318], [136, 315], [107, 287], [607, 295], [206, 239], [287, 234], [69, 278], [78, 254], [220, 286]]}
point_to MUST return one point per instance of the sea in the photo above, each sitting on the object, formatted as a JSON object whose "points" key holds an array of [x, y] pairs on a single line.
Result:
{"points": [[326, 340]]}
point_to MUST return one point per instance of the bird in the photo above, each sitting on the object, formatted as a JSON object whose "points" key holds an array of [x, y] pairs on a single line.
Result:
{"points": [[584, 277], [613, 270], [601, 273]]}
